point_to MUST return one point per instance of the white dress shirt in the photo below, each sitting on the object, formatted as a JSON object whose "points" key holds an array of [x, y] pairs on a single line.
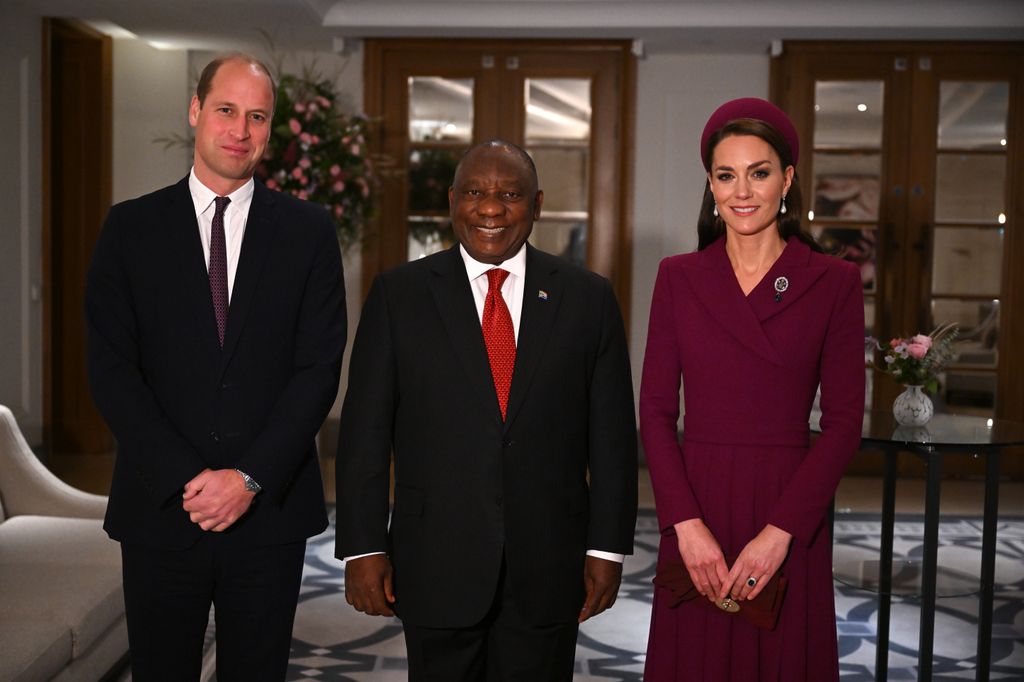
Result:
{"points": [[512, 292], [235, 216]]}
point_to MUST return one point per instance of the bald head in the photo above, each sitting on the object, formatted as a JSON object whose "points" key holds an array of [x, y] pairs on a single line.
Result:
{"points": [[514, 152]]}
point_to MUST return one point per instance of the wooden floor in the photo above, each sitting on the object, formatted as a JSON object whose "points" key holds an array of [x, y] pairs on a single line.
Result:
{"points": [[856, 493]]}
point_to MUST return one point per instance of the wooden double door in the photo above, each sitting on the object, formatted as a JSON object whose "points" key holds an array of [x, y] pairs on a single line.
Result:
{"points": [[568, 103], [915, 165]]}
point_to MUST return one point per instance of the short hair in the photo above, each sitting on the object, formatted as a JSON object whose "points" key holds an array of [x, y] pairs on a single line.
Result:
{"points": [[206, 77], [511, 146]]}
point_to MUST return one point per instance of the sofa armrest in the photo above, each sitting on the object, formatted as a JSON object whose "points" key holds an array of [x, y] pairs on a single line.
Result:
{"points": [[28, 487]]}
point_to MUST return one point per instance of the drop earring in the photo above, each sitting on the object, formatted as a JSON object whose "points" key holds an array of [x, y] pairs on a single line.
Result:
{"points": [[714, 211], [783, 209]]}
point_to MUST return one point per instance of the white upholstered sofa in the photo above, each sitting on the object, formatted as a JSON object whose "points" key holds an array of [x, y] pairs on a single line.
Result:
{"points": [[61, 603]]}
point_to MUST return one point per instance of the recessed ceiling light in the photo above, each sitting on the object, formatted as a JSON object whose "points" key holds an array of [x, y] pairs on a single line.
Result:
{"points": [[1003, 142], [862, 107], [810, 215], [1002, 218], [817, 107]]}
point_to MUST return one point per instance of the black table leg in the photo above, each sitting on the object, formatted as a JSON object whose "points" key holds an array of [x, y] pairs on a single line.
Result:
{"points": [[885, 566], [929, 572], [988, 565]]}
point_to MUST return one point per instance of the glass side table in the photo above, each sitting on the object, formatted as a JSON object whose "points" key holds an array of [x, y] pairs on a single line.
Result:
{"points": [[945, 434]]}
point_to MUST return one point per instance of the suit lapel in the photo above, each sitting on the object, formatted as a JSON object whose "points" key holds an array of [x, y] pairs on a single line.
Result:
{"points": [[714, 284], [453, 298], [259, 231], [187, 247], [541, 298], [793, 273]]}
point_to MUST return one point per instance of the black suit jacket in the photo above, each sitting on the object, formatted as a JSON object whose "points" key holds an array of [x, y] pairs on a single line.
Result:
{"points": [[176, 402], [470, 488]]}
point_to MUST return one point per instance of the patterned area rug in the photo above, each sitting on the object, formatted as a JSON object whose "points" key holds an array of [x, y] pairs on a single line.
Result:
{"points": [[333, 642]]}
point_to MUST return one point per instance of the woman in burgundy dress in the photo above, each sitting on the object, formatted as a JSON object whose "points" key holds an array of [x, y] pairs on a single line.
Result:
{"points": [[750, 324]]}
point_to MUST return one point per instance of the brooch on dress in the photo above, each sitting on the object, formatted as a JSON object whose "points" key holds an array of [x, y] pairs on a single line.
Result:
{"points": [[781, 284]]}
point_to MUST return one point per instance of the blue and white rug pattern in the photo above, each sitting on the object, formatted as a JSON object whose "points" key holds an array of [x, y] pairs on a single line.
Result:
{"points": [[333, 642]]}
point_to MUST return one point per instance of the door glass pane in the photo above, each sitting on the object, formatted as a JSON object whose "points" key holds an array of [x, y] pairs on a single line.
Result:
{"points": [[970, 188], [440, 109], [430, 174], [557, 109], [856, 244], [978, 321], [967, 261], [848, 114], [846, 186], [970, 392], [557, 136], [972, 115]]}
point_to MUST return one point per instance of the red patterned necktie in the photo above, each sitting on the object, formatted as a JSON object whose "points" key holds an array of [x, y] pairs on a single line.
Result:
{"points": [[500, 337], [219, 268]]}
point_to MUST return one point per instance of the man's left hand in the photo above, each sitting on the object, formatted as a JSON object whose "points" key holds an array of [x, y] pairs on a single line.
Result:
{"points": [[215, 499], [601, 577]]}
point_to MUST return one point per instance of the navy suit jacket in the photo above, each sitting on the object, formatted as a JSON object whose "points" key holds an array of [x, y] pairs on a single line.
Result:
{"points": [[556, 478], [177, 402]]}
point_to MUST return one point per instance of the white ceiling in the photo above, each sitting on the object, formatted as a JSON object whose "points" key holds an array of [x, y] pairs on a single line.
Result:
{"points": [[664, 25]]}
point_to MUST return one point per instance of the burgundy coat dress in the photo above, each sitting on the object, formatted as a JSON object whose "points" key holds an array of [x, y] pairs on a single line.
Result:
{"points": [[750, 367]]}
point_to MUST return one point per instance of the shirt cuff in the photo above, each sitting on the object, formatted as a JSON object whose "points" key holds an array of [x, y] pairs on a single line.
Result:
{"points": [[609, 556], [360, 556]]}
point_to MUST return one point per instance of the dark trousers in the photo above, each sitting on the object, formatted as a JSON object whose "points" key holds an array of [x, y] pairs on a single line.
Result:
{"points": [[168, 593], [501, 648]]}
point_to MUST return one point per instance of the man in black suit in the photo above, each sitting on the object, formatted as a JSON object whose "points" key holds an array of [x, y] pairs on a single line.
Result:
{"points": [[498, 376], [216, 320]]}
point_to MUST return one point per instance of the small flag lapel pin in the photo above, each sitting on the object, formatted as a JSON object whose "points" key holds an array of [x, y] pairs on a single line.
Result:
{"points": [[542, 295]]}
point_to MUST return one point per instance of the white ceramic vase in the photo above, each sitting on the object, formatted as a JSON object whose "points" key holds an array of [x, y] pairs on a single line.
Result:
{"points": [[913, 407]]}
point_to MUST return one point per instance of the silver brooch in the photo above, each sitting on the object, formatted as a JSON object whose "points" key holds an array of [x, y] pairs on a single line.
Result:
{"points": [[781, 284]]}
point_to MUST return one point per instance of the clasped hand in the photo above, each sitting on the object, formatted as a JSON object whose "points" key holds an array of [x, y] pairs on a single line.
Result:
{"points": [[369, 585], [215, 499], [703, 558]]}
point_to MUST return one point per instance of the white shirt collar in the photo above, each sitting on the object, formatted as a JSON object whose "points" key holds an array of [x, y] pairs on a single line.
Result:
{"points": [[474, 268], [203, 196]]}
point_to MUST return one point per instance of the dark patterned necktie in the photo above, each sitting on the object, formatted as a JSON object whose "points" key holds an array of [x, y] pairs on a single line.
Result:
{"points": [[219, 268], [500, 337]]}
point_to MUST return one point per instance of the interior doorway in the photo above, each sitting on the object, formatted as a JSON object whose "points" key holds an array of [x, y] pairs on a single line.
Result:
{"points": [[77, 176], [568, 103]]}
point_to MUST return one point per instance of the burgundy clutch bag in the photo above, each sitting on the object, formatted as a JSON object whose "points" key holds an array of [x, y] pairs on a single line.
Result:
{"points": [[762, 611]]}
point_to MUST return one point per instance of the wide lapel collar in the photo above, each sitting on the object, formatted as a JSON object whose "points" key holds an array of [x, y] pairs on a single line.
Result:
{"points": [[260, 227], [714, 284], [183, 229], [449, 285], [793, 273], [542, 295]]}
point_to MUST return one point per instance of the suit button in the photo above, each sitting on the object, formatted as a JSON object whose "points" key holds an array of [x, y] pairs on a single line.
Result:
{"points": [[498, 500], [225, 386], [507, 443], [214, 436]]}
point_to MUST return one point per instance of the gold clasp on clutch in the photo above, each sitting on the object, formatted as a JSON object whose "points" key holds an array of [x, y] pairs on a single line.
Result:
{"points": [[729, 606]]}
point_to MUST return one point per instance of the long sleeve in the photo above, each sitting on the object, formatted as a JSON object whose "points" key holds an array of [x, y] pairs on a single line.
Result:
{"points": [[122, 395], [366, 433], [612, 436], [802, 505], [659, 410]]}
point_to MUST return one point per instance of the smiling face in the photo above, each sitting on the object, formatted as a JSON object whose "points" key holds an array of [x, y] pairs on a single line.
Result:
{"points": [[232, 126], [748, 182], [494, 200]]}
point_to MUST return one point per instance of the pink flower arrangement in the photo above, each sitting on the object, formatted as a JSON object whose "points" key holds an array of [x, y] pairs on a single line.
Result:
{"points": [[917, 360], [318, 153]]}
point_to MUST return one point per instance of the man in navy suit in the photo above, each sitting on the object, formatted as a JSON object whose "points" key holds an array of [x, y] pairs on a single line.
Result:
{"points": [[216, 326], [498, 377]]}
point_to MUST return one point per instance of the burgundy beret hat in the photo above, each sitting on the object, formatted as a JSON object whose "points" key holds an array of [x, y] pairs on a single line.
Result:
{"points": [[749, 107]]}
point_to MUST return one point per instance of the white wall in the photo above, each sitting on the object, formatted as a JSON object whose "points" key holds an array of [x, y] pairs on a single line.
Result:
{"points": [[20, 234], [675, 95], [150, 92]]}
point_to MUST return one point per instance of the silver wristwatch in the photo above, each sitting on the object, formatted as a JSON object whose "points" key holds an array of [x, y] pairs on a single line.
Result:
{"points": [[250, 483]]}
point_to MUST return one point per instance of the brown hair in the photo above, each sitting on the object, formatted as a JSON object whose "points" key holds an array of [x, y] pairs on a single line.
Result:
{"points": [[206, 77], [710, 227]]}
